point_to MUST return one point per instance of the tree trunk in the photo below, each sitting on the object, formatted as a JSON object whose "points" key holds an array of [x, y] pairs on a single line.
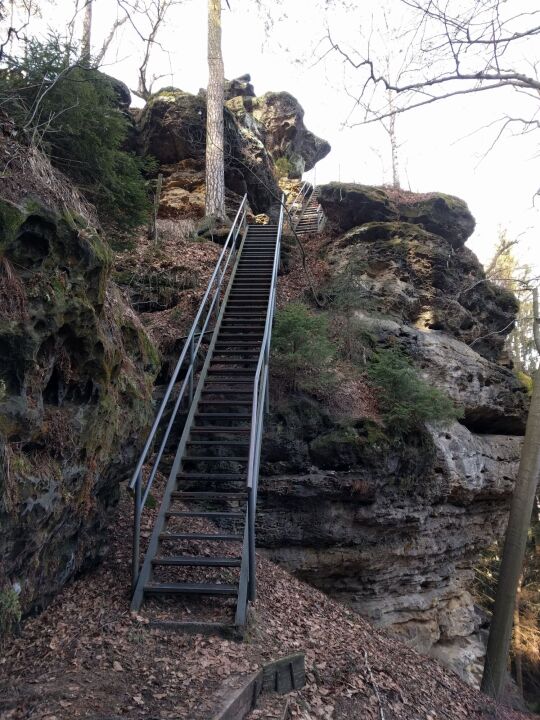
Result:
{"points": [[86, 40], [393, 142], [517, 642], [500, 631], [215, 172]]}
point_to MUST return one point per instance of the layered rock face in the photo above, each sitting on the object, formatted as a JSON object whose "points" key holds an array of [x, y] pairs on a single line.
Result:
{"points": [[394, 527], [76, 373], [258, 131]]}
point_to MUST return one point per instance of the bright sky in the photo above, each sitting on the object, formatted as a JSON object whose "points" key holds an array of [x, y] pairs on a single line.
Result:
{"points": [[435, 152]]}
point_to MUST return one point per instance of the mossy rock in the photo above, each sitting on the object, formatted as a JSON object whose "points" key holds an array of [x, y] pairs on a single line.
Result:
{"points": [[348, 205], [443, 215], [76, 380], [337, 450]]}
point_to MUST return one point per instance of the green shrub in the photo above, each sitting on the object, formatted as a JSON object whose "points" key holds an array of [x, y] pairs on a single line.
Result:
{"points": [[72, 114], [347, 290], [406, 401], [283, 167], [10, 611], [301, 348]]}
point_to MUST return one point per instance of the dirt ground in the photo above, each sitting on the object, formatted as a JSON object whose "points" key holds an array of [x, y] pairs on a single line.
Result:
{"points": [[86, 656]]}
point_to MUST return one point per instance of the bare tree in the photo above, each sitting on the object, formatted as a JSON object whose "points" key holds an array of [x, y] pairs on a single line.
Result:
{"points": [[215, 99], [98, 58], [146, 17], [14, 20], [453, 48], [500, 631], [86, 38]]}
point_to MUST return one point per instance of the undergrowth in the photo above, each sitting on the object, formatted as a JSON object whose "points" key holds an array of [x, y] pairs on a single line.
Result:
{"points": [[406, 401], [72, 114], [10, 611], [301, 349]]}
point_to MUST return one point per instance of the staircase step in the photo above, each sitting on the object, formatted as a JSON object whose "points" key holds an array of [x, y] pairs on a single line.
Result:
{"points": [[232, 361], [229, 416], [228, 403], [218, 442], [208, 495], [220, 537], [218, 477], [215, 458], [227, 383], [228, 371], [187, 560], [234, 392], [211, 429], [208, 515], [190, 589]]}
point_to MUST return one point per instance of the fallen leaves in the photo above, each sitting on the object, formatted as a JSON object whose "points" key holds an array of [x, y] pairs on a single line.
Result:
{"points": [[87, 656]]}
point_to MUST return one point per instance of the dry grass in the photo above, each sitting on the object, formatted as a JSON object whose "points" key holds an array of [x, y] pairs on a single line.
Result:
{"points": [[175, 231], [13, 300], [26, 171]]}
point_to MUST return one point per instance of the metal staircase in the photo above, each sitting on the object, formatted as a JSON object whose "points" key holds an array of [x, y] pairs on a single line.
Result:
{"points": [[223, 395], [308, 215]]}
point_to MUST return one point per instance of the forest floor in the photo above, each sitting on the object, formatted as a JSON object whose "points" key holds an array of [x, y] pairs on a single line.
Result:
{"points": [[87, 656]]}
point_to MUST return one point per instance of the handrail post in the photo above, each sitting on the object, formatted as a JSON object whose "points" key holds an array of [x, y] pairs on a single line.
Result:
{"points": [[191, 367], [252, 592], [136, 531], [267, 383]]}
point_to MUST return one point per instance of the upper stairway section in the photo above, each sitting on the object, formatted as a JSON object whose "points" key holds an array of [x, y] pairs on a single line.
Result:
{"points": [[306, 212]]}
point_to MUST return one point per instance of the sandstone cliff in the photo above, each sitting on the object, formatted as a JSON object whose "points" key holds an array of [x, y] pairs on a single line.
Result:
{"points": [[394, 526]]}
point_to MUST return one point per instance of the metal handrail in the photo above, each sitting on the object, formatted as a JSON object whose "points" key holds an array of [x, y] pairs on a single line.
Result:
{"points": [[191, 346], [305, 193], [259, 406], [299, 202]]}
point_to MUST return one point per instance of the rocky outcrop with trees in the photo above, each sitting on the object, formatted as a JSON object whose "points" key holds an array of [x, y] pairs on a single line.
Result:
{"points": [[395, 432]]}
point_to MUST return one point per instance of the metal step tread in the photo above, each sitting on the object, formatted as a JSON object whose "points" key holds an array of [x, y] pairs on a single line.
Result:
{"points": [[201, 536], [188, 560], [218, 442], [208, 495], [191, 588], [215, 458], [212, 476], [212, 429], [207, 514]]}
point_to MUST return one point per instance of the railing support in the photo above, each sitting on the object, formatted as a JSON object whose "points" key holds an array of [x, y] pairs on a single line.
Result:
{"points": [[136, 532], [252, 507], [191, 367], [266, 381]]}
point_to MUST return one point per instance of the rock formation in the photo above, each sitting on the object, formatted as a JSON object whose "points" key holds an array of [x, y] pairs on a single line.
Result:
{"points": [[258, 131], [76, 373], [394, 527]]}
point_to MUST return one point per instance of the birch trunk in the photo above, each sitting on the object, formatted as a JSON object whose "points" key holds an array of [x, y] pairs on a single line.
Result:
{"points": [[86, 40], [215, 171]]}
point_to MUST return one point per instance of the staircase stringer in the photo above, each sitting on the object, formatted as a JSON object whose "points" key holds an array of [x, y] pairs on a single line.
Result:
{"points": [[153, 545]]}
